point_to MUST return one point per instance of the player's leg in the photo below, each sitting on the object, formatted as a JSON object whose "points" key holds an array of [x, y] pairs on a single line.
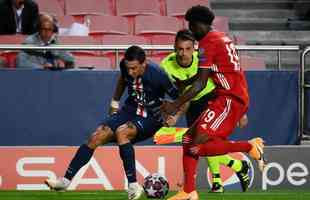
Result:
{"points": [[103, 135], [240, 167], [214, 167], [137, 129], [189, 169], [217, 123]]}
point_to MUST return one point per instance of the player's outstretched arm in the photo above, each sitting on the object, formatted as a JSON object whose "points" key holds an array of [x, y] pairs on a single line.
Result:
{"points": [[119, 90]]}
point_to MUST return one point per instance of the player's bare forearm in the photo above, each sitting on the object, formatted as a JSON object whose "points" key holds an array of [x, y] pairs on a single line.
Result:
{"points": [[182, 110], [120, 88], [196, 87]]}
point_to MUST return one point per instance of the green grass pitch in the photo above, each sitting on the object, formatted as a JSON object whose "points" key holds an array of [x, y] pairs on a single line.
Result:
{"points": [[122, 195]]}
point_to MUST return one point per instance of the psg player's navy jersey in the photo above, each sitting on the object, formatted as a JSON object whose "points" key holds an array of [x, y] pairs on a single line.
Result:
{"points": [[145, 92]]}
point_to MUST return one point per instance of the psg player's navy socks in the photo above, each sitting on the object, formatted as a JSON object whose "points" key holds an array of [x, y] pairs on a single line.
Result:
{"points": [[82, 156], [127, 154]]}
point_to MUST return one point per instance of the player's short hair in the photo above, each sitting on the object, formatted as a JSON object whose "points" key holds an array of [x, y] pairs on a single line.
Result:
{"points": [[135, 53], [200, 14], [184, 35]]}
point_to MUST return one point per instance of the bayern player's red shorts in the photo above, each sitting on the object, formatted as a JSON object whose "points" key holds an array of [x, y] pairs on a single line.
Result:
{"points": [[220, 118]]}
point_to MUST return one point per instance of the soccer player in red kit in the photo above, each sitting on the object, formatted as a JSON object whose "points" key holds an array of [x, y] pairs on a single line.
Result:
{"points": [[218, 59]]}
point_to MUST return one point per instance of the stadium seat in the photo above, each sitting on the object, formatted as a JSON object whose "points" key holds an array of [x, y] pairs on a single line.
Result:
{"points": [[10, 55], [65, 21], [100, 25], [157, 25], [124, 40], [178, 8], [96, 62], [83, 40], [157, 59], [51, 7], [80, 40], [89, 7], [137, 7], [162, 39], [121, 40], [249, 63]]}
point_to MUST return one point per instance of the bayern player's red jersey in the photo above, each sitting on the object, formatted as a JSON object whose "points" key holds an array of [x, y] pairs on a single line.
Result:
{"points": [[217, 52]]}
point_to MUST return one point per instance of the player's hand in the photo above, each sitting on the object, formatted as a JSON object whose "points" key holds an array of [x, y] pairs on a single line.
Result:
{"points": [[194, 150], [170, 120], [243, 121], [47, 65], [168, 107]]}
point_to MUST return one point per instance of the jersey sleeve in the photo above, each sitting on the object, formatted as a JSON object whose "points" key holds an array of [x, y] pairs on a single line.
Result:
{"points": [[206, 55], [123, 69]]}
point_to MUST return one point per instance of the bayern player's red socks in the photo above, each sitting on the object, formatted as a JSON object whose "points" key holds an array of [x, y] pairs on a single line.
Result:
{"points": [[189, 166]]}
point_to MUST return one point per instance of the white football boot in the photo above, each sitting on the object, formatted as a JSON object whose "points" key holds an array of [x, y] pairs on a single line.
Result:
{"points": [[60, 184], [135, 191]]}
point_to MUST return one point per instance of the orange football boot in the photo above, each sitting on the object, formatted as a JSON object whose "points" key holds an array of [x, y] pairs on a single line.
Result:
{"points": [[257, 152], [181, 195]]}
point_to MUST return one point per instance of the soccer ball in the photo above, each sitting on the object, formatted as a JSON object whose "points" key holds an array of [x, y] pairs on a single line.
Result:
{"points": [[155, 186]]}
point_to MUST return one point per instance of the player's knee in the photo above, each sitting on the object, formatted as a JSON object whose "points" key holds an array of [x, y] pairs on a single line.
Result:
{"points": [[125, 133], [102, 135]]}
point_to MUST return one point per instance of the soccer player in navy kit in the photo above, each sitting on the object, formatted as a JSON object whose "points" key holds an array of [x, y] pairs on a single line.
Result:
{"points": [[138, 119]]}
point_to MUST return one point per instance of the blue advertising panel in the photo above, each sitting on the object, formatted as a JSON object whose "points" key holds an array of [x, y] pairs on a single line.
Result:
{"points": [[64, 107]]}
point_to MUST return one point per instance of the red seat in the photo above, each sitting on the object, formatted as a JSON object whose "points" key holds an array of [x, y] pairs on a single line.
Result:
{"points": [[178, 8], [157, 25], [121, 40], [51, 7], [10, 55], [108, 25], [89, 7], [65, 21], [80, 40], [158, 58], [12, 39], [137, 7], [162, 39], [83, 40], [97, 62], [124, 40]]}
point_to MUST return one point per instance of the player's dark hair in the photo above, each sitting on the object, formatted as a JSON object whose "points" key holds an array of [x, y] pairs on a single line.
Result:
{"points": [[184, 35], [135, 53], [200, 14]]}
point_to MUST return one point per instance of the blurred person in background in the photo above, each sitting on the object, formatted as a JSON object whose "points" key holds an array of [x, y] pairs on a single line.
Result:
{"points": [[46, 35], [18, 16]]}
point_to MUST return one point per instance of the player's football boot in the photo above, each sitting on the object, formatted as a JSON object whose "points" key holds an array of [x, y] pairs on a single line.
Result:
{"points": [[60, 184], [135, 191], [244, 176], [257, 152], [217, 188], [181, 195]]}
